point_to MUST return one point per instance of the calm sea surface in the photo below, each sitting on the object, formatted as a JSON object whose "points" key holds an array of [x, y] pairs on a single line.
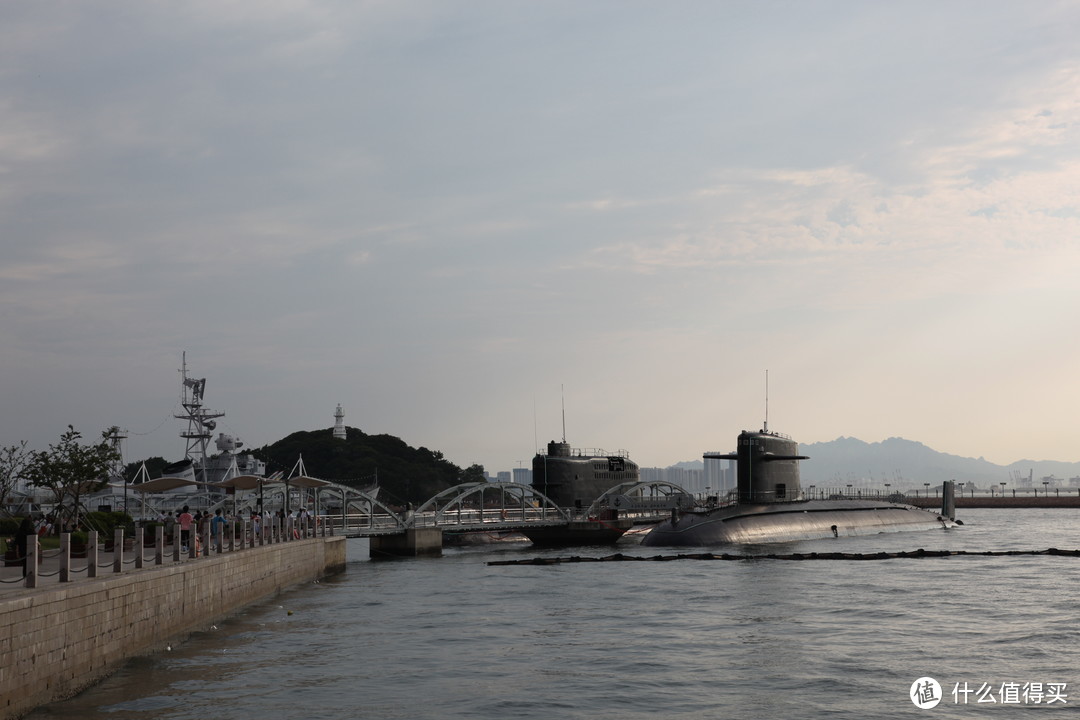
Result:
{"points": [[453, 637]]}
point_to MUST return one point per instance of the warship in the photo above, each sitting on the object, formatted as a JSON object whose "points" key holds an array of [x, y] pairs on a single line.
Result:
{"points": [[198, 465]]}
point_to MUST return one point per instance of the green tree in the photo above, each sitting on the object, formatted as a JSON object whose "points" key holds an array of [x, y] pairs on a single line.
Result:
{"points": [[473, 473], [405, 474], [71, 470], [13, 462]]}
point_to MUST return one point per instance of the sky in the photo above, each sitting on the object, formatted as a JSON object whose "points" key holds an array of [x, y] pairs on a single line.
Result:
{"points": [[463, 220]]}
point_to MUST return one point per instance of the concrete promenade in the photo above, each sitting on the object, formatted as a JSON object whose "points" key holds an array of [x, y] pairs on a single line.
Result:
{"points": [[59, 638]]}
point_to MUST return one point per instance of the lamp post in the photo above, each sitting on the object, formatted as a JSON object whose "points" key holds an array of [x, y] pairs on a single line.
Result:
{"points": [[1002, 489], [887, 486], [849, 490], [1045, 484], [811, 491], [927, 486]]}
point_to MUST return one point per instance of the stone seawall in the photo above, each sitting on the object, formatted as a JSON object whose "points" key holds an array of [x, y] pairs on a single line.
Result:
{"points": [[56, 641]]}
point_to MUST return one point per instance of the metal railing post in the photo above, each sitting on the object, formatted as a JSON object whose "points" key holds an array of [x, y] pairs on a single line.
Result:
{"points": [[118, 550], [159, 544], [65, 557], [140, 533], [32, 553], [91, 554]]}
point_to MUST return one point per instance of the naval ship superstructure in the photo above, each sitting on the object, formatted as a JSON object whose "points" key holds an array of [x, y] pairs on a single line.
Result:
{"points": [[769, 504], [198, 464]]}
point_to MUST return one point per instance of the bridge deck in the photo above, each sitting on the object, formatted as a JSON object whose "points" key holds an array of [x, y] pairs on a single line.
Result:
{"points": [[473, 521]]}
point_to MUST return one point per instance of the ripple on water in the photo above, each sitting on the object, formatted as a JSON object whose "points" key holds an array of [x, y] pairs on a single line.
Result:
{"points": [[456, 638]]}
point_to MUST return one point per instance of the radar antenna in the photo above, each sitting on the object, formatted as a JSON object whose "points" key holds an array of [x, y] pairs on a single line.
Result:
{"points": [[200, 419]]}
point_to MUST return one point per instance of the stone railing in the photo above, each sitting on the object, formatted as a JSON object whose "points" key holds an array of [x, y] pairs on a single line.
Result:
{"points": [[231, 536]]}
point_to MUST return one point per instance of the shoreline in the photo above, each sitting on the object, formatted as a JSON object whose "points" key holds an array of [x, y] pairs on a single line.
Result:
{"points": [[61, 638]]}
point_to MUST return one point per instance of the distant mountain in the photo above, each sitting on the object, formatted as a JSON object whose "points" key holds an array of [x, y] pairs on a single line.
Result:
{"points": [[909, 464], [903, 463]]}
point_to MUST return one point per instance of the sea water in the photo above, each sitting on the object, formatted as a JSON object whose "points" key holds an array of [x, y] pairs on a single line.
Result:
{"points": [[455, 637]]}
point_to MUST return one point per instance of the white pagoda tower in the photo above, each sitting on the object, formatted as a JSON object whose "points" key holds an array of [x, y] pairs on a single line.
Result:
{"points": [[339, 423]]}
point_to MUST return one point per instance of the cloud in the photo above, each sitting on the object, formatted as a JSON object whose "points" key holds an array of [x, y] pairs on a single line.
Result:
{"points": [[359, 194], [1021, 162]]}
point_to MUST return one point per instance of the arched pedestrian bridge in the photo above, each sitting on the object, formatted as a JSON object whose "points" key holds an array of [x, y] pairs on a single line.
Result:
{"points": [[476, 507], [484, 507]]}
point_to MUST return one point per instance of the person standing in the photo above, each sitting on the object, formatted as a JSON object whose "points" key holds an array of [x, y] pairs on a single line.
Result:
{"points": [[184, 520], [217, 525], [170, 528]]}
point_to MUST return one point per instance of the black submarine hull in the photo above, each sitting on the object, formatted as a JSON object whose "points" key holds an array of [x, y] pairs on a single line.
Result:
{"points": [[800, 520]]}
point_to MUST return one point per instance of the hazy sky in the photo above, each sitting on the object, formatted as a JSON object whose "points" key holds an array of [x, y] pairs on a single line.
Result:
{"points": [[439, 213]]}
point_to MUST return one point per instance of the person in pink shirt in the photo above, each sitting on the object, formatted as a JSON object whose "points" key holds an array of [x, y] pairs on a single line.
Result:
{"points": [[184, 520]]}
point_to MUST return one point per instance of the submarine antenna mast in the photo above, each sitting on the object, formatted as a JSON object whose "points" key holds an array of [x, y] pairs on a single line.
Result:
{"points": [[766, 429], [562, 393]]}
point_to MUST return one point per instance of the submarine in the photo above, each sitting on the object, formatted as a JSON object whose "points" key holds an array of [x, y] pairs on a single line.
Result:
{"points": [[769, 504]]}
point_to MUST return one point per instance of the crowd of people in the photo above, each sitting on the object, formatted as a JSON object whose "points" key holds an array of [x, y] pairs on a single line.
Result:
{"points": [[183, 521]]}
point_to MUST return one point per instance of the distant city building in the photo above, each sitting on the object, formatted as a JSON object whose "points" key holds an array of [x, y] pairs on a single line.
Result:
{"points": [[717, 478], [339, 423], [523, 476], [503, 476]]}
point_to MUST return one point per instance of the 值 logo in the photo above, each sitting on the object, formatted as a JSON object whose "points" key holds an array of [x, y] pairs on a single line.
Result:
{"points": [[925, 693]]}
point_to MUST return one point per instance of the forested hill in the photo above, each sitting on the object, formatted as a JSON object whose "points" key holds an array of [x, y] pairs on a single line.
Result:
{"points": [[404, 473]]}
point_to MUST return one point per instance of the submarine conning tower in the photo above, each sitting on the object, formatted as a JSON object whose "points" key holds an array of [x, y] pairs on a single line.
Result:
{"points": [[576, 477], [767, 465]]}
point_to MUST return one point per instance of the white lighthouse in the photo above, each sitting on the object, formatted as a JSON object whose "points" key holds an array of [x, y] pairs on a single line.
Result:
{"points": [[339, 423]]}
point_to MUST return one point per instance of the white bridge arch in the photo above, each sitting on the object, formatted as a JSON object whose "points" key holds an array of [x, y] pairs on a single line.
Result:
{"points": [[645, 498], [482, 504]]}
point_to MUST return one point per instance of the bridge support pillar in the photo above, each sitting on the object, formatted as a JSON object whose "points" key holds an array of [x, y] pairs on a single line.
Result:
{"points": [[411, 543]]}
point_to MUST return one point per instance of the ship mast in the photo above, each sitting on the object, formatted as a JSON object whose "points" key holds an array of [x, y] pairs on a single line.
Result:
{"points": [[200, 420]]}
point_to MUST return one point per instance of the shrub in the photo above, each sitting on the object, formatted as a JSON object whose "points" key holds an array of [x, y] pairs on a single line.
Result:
{"points": [[106, 523]]}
